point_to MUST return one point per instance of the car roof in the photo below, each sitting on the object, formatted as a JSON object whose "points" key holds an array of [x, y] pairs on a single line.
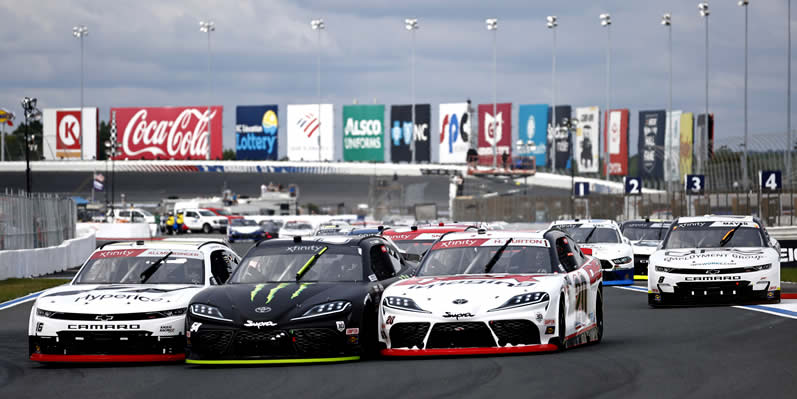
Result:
{"points": [[587, 222], [416, 231], [494, 234], [330, 239], [172, 243], [717, 218]]}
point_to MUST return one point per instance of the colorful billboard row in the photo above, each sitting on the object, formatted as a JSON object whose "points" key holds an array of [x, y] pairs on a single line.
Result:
{"points": [[494, 130], [559, 135], [256, 132], [586, 141], [618, 141], [402, 133], [310, 137], [652, 129], [533, 126], [363, 133], [61, 133], [455, 133], [168, 132]]}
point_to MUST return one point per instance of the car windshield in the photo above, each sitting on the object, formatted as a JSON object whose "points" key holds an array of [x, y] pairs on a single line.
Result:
{"points": [[639, 233], [414, 246], [206, 213], [222, 212], [337, 263], [297, 226], [472, 260], [698, 235], [145, 212], [602, 235], [128, 270], [243, 222]]}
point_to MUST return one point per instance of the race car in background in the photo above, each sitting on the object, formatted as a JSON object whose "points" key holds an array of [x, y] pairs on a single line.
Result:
{"points": [[296, 300], [715, 259], [418, 239], [245, 229], [491, 292], [645, 235], [127, 303], [605, 242], [293, 228]]}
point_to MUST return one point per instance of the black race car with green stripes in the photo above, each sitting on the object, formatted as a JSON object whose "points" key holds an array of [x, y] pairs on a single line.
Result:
{"points": [[296, 300]]}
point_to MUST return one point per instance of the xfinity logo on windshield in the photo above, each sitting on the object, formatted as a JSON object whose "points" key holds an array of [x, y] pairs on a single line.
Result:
{"points": [[310, 248]]}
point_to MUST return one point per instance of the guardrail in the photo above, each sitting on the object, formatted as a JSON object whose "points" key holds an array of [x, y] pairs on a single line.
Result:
{"points": [[21, 263]]}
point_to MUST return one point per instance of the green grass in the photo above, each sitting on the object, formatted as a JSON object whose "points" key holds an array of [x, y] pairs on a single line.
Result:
{"points": [[788, 274], [18, 287]]}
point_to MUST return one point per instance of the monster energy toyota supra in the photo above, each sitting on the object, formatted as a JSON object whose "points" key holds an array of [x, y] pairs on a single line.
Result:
{"points": [[300, 299]]}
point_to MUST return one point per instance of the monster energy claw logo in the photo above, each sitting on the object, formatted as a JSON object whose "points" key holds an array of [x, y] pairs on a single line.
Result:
{"points": [[273, 292]]}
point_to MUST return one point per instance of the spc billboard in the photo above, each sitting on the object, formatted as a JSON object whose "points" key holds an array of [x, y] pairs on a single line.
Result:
{"points": [[455, 132], [256, 132], [402, 133], [586, 144], [494, 130], [363, 133], [61, 133], [306, 131], [533, 125], [651, 144], [168, 132]]}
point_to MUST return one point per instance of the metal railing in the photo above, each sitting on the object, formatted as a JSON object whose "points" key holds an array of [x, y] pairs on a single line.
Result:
{"points": [[35, 221]]}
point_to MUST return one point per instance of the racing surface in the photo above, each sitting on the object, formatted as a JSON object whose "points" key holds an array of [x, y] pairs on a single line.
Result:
{"points": [[682, 352]]}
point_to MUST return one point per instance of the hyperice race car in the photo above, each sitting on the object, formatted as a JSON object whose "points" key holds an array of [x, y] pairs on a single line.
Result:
{"points": [[605, 241], [645, 236], [491, 292], [715, 259], [296, 300], [127, 303]]}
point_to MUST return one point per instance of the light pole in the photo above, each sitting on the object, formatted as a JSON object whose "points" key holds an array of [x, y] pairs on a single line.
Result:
{"points": [[80, 32], [666, 20], [412, 25], [703, 150], [606, 22], [207, 27], [745, 4], [492, 25], [552, 23], [318, 25], [31, 112], [789, 144]]}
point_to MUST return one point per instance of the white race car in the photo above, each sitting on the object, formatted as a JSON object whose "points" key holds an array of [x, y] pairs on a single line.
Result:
{"points": [[607, 243], [715, 259], [645, 236], [127, 303], [495, 292]]}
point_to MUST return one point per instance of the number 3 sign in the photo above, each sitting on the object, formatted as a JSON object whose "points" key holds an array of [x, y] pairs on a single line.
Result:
{"points": [[695, 184]]}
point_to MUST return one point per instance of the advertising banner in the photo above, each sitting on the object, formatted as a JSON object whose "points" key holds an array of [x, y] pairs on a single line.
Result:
{"points": [[402, 134], [559, 137], [651, 144], [306, 131], [687, 128], [256, 132], [617, 141], [168, 132], [672, 146], [587, 135], [496, 130], [61, 133], [703, 139], [363, 133], [533, 125], [455, 133]]}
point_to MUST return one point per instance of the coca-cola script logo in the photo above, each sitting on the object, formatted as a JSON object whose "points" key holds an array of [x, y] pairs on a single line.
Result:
{"points": [[169, 133]]}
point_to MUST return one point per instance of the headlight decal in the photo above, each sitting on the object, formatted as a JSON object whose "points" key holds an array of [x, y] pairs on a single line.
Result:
{"points": [[402, 303], [207, 311], [325, 309], [523, 300]]}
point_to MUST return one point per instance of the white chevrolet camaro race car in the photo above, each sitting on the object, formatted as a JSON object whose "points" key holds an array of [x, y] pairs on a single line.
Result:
{"points": [[715, 259], [495, 292], [605, 241], [127, 303], [645, 236]]}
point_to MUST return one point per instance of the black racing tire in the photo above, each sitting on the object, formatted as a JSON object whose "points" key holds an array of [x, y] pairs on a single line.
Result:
{"points": [[207, 229], [562, 327], [599, 315]]}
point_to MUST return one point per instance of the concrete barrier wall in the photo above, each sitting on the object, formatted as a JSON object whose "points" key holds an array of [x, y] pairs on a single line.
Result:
{"points": [[40, 261]]}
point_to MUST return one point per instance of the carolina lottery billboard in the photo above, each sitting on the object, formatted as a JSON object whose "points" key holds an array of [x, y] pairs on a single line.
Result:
{"points": [[651, 144], [402, 134], [533, 125], [496, 130], [256, 132], [306, 131], [455, 132], [363, 133], [586, 140]]}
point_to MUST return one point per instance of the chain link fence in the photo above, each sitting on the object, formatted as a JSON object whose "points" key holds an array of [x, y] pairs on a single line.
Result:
{"points": [[37, 221]]}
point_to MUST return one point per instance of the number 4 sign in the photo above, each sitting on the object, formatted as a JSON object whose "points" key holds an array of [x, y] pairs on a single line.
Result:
{"points": [[633, 185], [695, 184], [770, 181]]}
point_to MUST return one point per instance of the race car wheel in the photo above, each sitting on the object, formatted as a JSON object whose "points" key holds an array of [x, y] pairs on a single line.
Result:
{"points": [[562, 326], [599, 316], [207, 229]]}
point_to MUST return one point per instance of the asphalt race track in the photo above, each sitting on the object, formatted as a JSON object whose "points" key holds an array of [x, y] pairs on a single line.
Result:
{"points": [[685, 352]]}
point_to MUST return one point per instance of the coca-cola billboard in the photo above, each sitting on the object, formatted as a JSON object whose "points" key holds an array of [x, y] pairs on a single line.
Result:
{"points": [[168, 132]]}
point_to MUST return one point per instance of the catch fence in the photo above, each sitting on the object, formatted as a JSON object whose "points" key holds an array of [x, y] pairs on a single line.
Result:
{"points": [[35, 221]]}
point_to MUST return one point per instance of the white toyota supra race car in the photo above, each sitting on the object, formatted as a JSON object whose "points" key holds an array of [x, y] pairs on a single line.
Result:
{"points": [[607, 243], [715, 259], [127, 303], [491, 292]]}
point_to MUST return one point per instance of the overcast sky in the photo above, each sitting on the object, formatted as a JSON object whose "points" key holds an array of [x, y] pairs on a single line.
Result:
{"points": [[151, 53]]}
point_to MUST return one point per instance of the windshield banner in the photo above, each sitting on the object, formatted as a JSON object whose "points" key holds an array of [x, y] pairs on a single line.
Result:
{"points": [[305, 129], [256, 132], [533, 125], [455, 133], [402, 134], [586, 143], [363, 133], [651, 144]]}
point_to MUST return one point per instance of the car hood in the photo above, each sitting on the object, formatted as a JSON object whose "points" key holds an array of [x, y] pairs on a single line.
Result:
{"points": [[645, 247], [474, 294], [277, 302], [116, 298], [245, 229], [718, 258], [609, 251]]}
